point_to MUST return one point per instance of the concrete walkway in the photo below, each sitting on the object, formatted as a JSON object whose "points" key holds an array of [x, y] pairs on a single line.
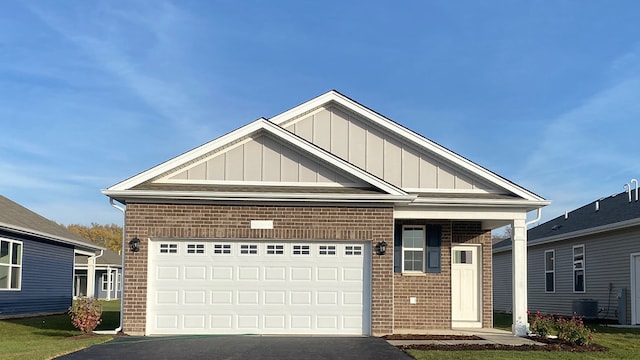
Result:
{"points": [[489, 336]]}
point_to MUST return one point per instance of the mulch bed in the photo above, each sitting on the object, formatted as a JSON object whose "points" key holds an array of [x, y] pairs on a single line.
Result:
{"points": [[430, 337], [552, 345]]}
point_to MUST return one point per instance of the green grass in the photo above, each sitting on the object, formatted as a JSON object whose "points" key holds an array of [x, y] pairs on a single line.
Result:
{"points": [[622, 344], [45, 337]]}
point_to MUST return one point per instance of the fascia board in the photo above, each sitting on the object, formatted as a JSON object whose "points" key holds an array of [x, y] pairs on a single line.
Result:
{"points": [[531, 204], [406, 134], [42, 235], [578, 233], [266, 196]]}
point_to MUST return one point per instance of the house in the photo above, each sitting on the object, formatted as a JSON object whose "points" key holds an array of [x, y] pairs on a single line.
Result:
{"points": [[107, 279], [36, 262], [328, 218], [586, 261]]}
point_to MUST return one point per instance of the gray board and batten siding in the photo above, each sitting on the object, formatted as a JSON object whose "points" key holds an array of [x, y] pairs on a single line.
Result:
{"points": [[609, 235]]}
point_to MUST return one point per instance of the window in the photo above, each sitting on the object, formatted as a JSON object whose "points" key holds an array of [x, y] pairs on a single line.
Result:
{"points": [[578, 269], [275, 249], [327, 249], [301, 250], [353, 250], [168, 248], [222, 248], [107, 282], [10, 264], [413, 245], [550, 271], [463, 257], [246, 249], [416, 248], [195, 248]]}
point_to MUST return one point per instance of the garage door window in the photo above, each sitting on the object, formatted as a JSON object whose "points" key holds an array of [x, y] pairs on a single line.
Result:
{"points": [[246, 249], [168, 248], [222, 249], [195, 248], [275, 249], [301, 250], [327, 249], [353, 250]]}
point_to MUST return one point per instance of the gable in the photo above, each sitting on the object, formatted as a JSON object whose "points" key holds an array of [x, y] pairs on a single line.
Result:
{"points": [[261, 158], [358, 140]]}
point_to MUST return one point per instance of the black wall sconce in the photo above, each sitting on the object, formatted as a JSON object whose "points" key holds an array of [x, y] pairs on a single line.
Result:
{"points": [[134, 244], [381, 247]]}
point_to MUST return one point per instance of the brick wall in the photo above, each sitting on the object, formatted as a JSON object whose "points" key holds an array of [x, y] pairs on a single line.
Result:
{"points": [[233, 222], [433, 291]]}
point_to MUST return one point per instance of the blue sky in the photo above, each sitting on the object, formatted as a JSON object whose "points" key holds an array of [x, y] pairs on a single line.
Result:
{"points": [[545, 93]]}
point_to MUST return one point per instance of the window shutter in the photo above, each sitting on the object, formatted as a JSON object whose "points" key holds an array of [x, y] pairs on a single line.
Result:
{"points": [[434, 243], [397, 248]]}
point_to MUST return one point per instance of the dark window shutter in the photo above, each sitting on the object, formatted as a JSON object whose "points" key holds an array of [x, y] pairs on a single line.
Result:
{"points": [[397, 248], [434, 243]]}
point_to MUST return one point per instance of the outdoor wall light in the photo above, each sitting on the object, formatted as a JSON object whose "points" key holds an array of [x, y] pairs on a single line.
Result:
{"points": [[381, 247], [134, 244]]}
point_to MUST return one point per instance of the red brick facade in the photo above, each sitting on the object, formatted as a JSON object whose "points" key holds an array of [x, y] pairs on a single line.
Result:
{"points": [[390, 306]]}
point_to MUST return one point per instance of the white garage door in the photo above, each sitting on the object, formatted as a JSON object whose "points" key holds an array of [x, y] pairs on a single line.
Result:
{"points": [[258, 287]]}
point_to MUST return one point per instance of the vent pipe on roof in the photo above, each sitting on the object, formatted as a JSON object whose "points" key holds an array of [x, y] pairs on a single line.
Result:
{"points": [[628, 188], [566, 215], [635, 181], [597, 205]]}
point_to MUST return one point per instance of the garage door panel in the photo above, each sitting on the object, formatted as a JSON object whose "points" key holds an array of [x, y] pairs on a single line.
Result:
{"points": [[260, 287]]}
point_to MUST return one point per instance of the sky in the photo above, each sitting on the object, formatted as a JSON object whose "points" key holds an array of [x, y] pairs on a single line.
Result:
{"points": [[544, 93]]}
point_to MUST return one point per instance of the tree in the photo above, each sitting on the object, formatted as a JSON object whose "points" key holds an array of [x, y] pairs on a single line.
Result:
{"points": [[109, 236], [502, 233]]}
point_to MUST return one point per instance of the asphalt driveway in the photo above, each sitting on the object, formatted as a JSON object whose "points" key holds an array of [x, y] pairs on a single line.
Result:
{"points": [[241, 347]]}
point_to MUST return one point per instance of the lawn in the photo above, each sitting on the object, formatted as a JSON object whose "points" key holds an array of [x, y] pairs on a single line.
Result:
{"points": [[45, 337], [622, 344]]}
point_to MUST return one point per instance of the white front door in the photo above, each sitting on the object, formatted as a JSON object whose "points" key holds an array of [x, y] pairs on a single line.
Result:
{"points": [[465, 286], [258, 287]]}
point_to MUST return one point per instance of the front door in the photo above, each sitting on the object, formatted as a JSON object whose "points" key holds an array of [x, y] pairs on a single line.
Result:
{"points": [[465, 286]]}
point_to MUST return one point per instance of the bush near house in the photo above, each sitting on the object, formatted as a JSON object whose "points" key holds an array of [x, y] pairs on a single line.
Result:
{"points": [[571, 330], [85, 314]]}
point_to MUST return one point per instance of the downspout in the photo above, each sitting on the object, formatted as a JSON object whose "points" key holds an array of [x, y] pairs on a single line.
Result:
{"points": [[119, 328], [91, 274], [538, 216]]}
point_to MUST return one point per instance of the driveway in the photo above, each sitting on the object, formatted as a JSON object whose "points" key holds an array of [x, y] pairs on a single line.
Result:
{"points": [[241, 347]]}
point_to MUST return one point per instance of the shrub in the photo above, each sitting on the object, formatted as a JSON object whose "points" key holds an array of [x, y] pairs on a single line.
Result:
{"points": [[85, 314], [542, 325], [574, 331]]}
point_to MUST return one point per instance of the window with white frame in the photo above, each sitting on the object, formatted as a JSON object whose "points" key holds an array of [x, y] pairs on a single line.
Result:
{"points": [[107, 281], [578, 269], [413, 241], [550, 271], [195, 248], [224, 249], [10, 264], [168, 248]]}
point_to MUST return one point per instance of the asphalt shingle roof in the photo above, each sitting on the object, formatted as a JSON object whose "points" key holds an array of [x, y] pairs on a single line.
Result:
{"points": [[109, 257], [15, 216]]}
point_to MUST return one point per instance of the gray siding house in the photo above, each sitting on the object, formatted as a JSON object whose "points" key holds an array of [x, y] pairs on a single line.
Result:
{"points": [[36, 262], [586, 261], [107, 277]]}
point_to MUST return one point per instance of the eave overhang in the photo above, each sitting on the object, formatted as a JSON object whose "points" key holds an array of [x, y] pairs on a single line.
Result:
{"points": [[45, 236]]}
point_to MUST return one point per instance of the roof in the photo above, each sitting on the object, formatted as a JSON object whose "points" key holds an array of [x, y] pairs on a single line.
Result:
{"points": [[607, 213], [109, 257], [16, 218]]}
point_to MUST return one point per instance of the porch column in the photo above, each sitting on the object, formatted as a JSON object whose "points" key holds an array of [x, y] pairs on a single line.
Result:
{"points": [[109, 283], [519, 277]]}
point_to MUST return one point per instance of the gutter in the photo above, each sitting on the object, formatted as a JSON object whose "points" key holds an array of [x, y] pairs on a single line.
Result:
{"points": [[119, 328], [43, 235]]}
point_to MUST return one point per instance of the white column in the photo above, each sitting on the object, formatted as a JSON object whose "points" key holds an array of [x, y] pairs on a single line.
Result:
{"points": [[91, 276], [519, 277], [109, 283]]}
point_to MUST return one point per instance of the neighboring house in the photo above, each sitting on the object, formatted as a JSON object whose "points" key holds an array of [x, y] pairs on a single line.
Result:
{"points": [[281, 227], [36, 262], [587, 261], [107, 278]]}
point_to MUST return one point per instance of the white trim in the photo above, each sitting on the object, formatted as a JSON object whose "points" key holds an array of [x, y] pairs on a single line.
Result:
{"points": [[424, 250], [260, 124], [635, 317], [406, 134], [10, 266], [553, 271], [451, 191], [584, 268], [478, 262], [43, 235], [261, 183]]}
